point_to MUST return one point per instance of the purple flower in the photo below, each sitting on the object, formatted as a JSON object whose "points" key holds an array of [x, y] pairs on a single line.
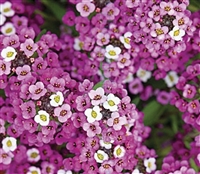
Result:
{"points": [[23, 72], [163, 97], [189, 91], [69, 18], [110, 11], [56, 84], [135, 86], [28, 109], [5, 67], [92, 128], [193, 106], [158, 31], [29, 47], [5, 157], [38, 90], [63, 113], [85, 8], [116, 121]]}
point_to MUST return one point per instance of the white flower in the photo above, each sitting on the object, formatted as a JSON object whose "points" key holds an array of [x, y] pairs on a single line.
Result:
{"points": [[78, 45], [129, 78], [2, 19], [61, 171], [112, 52], [9, 144], [56, 99], [5, 9], [136, 171], [176, 33], [100, 156], [150, 165], [126, 39], [34, 170], [33, 155], [171, 78], [93, 114], [8, 54], [42, 118], [119, 151], [106, 145], [8, 29], [143, 74], [111, 102]]}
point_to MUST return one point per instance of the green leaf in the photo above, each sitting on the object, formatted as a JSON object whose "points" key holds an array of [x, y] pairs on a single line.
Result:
{"points": [[193, 165], [40, 35], [56, 8], [100, 84], [2, 93], [152, 112]]}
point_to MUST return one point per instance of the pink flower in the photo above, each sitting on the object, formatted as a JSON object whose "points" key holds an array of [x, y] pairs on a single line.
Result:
{"points": [[63, 112], [97, 96], [92, 128], [5, 157], [5, 67], [110, 11], [116, 121], [29, 47], [23, 72], [37, 90], [85, 8]]}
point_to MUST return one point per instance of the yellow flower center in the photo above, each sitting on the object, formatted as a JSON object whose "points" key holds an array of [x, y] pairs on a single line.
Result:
{"points": [[100, 156], [111, 103], [112, 53], [94, 114], [9, 54], [171, 78], [176, 33], [159, 32], [8, 30], [127, 40], [118, 151], [34, 172], [149, 165], [34, 155], [57, 98], [9, 143], [43, 117], [6, 10]]}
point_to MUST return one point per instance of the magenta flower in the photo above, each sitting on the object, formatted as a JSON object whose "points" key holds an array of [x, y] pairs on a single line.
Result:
{"points": [[5, 67], [85, 8], [63, 113], [38, 90], [159, 31], [29, 47], [110, 11], [5, 157], [189, 91], [69, 18], [193, 106], [116, 121], [92, 129], [56, 84], [97, 96], [28, 109], [23, 72]]}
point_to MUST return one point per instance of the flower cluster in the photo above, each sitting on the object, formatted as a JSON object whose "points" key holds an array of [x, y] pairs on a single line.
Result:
{"points": [[66, 101]]}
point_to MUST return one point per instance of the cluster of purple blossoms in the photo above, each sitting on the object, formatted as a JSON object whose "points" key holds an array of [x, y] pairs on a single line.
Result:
{"points": [[129, 41], [51, 123], [53, 118]]}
